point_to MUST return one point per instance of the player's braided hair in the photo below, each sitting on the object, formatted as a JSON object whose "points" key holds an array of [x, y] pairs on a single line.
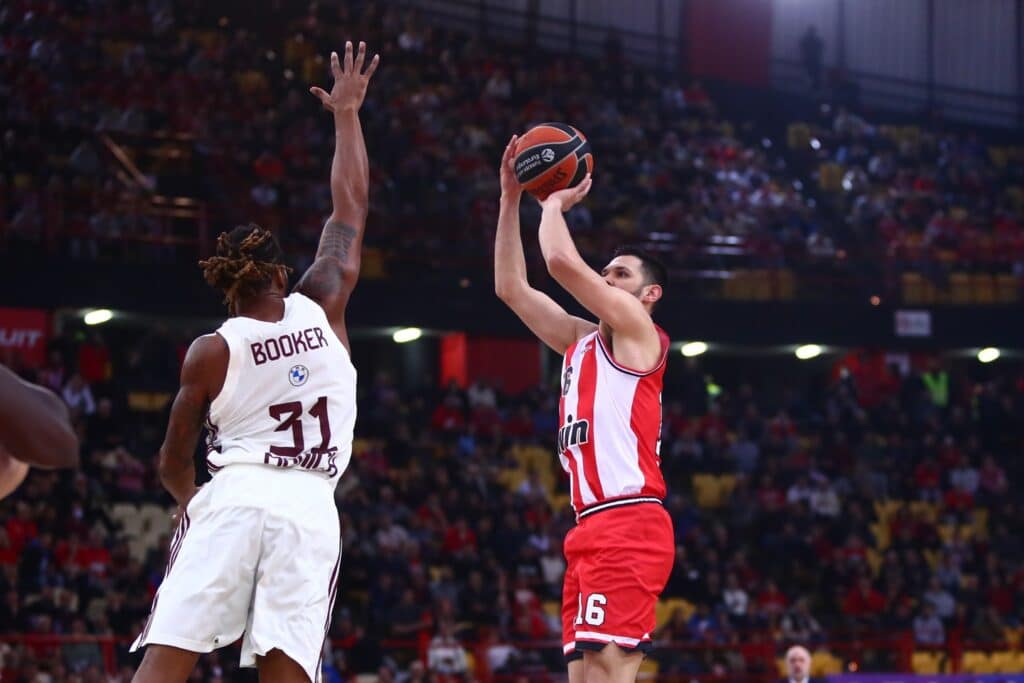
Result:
{"points": [[246, 261]]}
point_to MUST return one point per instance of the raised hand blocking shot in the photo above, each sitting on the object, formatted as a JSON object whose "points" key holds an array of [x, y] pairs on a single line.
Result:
{"points": [[257, 550]]}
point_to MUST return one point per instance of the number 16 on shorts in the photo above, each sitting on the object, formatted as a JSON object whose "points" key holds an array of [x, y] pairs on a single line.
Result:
{"points": [[594, 613]]}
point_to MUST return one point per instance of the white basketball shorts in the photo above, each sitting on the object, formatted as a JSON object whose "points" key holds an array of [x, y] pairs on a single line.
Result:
{"points": [[257, 552]]}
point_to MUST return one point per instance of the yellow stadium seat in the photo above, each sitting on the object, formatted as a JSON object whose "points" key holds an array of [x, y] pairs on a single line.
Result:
{"points": [[979, 520], [983, 287], [761, 285], [927, 663], [881, 532], [785, 284], [372, 264], [976, 663], [798, 136], [946, 532], [874, 561], [470, 661], [960, 288], [925, 510], [1004, 662], [648, 670], [661, 612], [705, 490], [913, 287], [830, 177], [726, 485], [1013, 638], [664, 609], [1007, 289], [824, 663], [148, 401], [552, 608]]}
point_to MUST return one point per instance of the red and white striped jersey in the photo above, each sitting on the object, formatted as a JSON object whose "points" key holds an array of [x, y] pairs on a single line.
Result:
{"points": [[609, 417]]}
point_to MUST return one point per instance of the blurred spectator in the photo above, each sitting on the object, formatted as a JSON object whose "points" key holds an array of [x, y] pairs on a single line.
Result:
{"points": [[928, 628], [446, 656]]}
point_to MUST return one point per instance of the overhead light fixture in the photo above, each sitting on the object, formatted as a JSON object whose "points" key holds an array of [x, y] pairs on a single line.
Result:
{"points": [[405, 335], [808, 351], [98, 316], [988, 354], [694, 348]]}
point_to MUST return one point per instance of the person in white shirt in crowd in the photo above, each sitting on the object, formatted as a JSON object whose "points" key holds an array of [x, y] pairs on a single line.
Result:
{"points": [[78, 396], [928, 628]]}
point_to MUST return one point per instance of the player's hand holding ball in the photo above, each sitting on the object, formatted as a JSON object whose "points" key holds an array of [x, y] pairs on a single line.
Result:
{"points": [[511, 189], [551, 157], [563, 200], [350, 80]]}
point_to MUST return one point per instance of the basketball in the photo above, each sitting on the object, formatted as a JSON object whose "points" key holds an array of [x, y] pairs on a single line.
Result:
{"points": [[552, 157], [12, 473]]}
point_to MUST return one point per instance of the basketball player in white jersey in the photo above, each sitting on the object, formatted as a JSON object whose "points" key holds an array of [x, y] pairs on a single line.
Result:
{"points": [[35, 430], [620, 553], [257, 549]]}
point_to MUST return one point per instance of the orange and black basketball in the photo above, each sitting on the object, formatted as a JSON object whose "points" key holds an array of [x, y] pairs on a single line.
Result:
{"points": [[551, 157]]}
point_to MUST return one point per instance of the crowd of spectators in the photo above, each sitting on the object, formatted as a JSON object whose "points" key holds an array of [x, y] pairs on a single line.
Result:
{"points": [[453, 510], [712, 189], [452, 514]]}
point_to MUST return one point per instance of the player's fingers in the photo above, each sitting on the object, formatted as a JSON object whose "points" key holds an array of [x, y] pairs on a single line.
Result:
{"points": [[585, 186], [360, 56], [319, 93], [581, 190], [373, 66], [348, 56], [335, 66]]}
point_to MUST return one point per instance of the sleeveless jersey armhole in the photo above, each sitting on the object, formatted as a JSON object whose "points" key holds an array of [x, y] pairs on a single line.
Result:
{"points": [[231, 375], [662, 339]]}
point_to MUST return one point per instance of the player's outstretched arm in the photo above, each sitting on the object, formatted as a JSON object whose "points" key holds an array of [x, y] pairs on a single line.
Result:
{"points": [[545, 318], [34, 424], [332, 277], [622, 311], [202, 375]]}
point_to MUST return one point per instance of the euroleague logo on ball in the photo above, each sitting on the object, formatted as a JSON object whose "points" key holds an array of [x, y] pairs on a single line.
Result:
{"points": [[298, 375], [547, 155]]}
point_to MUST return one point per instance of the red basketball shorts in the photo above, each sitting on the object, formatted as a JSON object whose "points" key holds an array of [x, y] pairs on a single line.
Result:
{"points": [[617, 563]]}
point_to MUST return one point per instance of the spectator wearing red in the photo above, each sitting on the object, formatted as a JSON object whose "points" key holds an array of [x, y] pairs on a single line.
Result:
{"points": [[448, 417], [459, 539], [863, 600], [928, 479], [771, 601]]}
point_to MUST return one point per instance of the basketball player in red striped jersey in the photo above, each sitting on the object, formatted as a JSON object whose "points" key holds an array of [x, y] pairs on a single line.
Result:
{"points": [[620, 553]]}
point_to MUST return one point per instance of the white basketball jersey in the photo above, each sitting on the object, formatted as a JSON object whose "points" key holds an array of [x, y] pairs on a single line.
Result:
{"points": [[289, 397]]}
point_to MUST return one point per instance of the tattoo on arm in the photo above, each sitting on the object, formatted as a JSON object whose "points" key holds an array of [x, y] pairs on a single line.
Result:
{"points": [[336, 240]]}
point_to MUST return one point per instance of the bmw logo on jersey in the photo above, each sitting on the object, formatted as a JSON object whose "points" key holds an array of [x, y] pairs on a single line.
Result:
{"points": [[298, 375]]}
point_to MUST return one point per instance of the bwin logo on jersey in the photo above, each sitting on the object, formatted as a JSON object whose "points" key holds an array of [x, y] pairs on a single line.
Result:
{"points": [[298, 375], [548, 155], [573, 434]]}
